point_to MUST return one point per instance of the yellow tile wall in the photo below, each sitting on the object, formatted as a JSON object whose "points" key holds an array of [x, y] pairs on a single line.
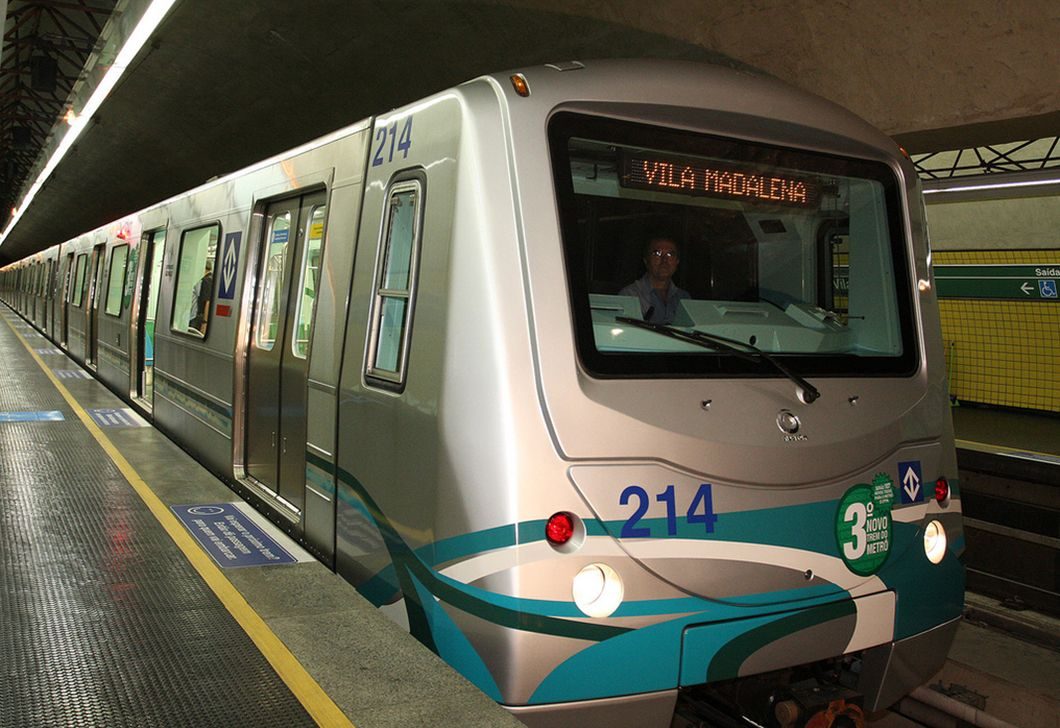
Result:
{"points": [[1002, 352]]}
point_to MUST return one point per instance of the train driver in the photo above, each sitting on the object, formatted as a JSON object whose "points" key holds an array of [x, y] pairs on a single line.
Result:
{"points": [[657, 293]]}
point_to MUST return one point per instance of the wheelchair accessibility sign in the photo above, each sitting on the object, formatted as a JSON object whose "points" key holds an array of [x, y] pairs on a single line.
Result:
{"points": [[1047, 288]]}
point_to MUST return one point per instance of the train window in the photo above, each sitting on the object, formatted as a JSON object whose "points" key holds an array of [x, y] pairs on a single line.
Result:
{"points": [[77, 292], [119, 258], [681, 248], [308, 282], [193, 289], [68, 277], [158, 254], [271, 293], [387, 359]]}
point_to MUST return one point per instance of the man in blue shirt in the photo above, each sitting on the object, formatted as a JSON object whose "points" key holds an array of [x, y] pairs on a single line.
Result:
{"points": [[657, 293]]}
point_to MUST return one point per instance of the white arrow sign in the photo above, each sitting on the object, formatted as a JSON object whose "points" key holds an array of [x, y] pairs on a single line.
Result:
{"points": [[1027, 288], [911, 483], [228, 267]]}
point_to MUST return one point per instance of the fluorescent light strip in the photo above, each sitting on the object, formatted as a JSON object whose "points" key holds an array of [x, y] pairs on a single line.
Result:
{"points": [[136, 40], [994, 186]]}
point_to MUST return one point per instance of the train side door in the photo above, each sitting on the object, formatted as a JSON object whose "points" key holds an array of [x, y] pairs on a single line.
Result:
{"points": [[48, 289], [154, 250], [92, 330], [65, 296], [34, 290], [279, 345]]}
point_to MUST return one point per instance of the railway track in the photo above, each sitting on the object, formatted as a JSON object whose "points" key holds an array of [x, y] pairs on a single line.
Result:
{"points": [[1011, 505]]}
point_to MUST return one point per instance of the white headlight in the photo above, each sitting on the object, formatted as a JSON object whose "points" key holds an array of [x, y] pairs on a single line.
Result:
{"points": [[598, 590], [935, 542]]}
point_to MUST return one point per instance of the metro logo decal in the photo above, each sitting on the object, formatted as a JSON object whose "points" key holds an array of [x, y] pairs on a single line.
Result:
{"points": [[229, 265], [910, 479]]}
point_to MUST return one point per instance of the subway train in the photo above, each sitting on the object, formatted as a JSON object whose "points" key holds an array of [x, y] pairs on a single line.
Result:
{"points": [[619, 384]]}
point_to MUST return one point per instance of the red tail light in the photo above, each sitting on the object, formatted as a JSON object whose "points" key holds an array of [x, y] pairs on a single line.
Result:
{"points": [[559, 529], [942, 490]]}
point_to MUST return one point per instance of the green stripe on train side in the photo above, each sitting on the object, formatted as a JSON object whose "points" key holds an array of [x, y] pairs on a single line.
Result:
{"points": [[207, 411]]}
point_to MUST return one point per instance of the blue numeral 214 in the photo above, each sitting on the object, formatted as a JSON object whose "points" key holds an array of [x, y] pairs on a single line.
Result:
{"points": [[701, 510], [401, 143]]}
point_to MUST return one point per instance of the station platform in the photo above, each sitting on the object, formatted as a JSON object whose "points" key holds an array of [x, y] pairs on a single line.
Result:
{"points": [[113, 614]]}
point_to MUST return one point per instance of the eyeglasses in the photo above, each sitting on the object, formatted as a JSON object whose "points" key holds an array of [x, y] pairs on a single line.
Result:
{"points": [[668, 254]]}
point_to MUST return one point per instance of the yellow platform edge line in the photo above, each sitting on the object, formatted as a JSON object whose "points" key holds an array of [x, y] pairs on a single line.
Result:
{"points": [[317, 703]]}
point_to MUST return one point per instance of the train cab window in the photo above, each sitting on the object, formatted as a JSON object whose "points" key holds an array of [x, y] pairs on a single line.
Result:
{"points": [[119, 258], [308, 282], [193, 289], [78, 290], [755, 248], [268, 323], [396, 266]]}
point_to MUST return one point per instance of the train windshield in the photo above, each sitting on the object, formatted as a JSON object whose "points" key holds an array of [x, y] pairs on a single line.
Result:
{"points": [[684, 252]]}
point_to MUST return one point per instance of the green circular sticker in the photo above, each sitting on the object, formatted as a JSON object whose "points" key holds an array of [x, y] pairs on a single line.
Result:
{"points": [[863, 525]]}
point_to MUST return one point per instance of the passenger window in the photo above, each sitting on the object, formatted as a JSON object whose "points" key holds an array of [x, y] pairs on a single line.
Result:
{"points": [[308, 282], [79, 280], [119, 258], [193, 290], [272, 282], [395, 281]]}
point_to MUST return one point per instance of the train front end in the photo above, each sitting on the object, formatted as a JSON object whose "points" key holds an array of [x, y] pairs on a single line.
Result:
{"points": [[737, 353]]}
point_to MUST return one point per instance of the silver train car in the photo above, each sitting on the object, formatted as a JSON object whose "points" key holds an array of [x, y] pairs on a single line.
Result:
{"points": [[620, 384]]}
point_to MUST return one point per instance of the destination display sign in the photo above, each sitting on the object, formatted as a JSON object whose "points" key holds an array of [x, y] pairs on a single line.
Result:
{"points": [[1015, 282], [706, 178]]}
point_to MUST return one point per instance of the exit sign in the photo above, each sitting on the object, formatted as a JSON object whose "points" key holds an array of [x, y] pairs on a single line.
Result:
{"points": [[1012, 282]]}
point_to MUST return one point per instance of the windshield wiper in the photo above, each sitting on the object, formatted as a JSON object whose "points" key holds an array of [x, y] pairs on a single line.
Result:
{"points": [[749, 352]]}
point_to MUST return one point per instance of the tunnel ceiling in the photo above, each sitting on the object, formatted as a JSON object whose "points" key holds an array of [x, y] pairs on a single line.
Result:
{"points": [[224, 84]]}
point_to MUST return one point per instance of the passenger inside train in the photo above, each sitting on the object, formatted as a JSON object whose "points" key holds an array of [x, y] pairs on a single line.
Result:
{"points": [[203, 295]]}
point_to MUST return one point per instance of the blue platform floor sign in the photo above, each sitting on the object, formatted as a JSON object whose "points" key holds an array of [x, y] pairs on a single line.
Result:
{"points": [[124, 417], [230, 537], [48, 416], [910, 481], [71, 374]]}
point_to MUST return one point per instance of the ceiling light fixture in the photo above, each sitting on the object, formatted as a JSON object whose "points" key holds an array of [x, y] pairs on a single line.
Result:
{"points": [[136, 40], [964, 186]]}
